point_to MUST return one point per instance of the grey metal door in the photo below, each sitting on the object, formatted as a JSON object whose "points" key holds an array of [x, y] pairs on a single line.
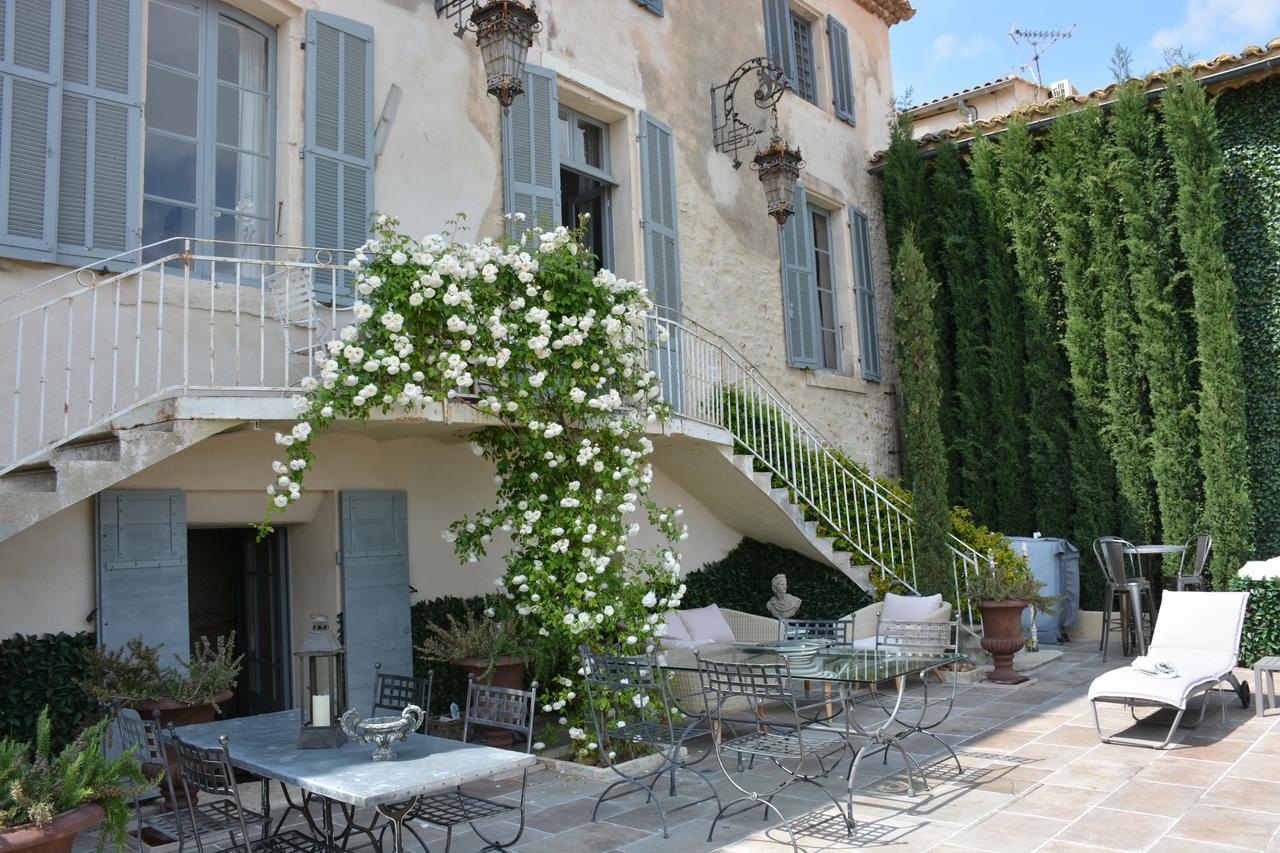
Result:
{"points": [[142, 570], [264, 623], [375, 590]]}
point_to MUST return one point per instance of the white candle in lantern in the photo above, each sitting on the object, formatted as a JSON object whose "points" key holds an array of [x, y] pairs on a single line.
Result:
{"points": [[320, 710]]}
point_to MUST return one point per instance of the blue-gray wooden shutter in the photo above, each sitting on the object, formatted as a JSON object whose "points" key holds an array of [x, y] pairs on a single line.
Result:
{"points": [[530, 153], [661, 248], [375, 590], [800, 286], [842, 96], [864, 289], [29, 76], [98, 179], [338, 151], [142, 570], [654, 6], [779, 45]]}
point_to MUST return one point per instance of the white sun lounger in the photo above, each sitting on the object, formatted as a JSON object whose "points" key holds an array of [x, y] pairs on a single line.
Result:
{"points": [[1198, 634]]}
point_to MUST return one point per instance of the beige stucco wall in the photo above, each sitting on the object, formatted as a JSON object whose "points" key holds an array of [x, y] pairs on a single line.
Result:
{"points": [[47, 571]]}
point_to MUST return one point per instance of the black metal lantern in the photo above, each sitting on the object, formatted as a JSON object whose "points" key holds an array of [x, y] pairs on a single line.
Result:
{"points": [[318, 663], [779, 168], [504, 34]]}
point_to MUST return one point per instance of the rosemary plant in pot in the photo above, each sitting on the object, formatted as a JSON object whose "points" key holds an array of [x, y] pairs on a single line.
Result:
{"points": [[182, 695], [47, 799], [1002, 593], [492, 650]]}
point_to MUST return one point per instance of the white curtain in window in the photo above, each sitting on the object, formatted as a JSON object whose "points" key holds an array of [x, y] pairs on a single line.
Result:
{"points": [[250, 176]]}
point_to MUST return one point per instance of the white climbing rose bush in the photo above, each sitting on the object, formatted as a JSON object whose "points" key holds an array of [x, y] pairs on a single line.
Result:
{"points": [[555, 352]]}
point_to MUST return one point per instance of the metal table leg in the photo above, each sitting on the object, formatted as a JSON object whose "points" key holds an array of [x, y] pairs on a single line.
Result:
{"points": [[1135, 609], [396, 813], [880, 737]]}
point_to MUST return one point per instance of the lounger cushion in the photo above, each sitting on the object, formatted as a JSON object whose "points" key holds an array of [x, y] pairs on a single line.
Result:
{"points": [[1196, 670], [909, 608]]}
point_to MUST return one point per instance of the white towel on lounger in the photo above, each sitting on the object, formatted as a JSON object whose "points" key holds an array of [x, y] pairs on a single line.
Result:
{"points": [[1155, 667]]}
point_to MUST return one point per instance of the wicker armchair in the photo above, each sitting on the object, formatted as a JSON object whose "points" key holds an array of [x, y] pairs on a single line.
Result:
{"points": [[866, 620], [686, 688]]}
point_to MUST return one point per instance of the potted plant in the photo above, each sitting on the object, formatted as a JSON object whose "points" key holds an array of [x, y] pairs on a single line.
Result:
{"points": [[1001, 595], [491, 649], [46, 799], [179, 695]]}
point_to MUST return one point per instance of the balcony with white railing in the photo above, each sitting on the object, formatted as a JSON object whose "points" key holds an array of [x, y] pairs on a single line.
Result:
{"points": [[192, 318]]}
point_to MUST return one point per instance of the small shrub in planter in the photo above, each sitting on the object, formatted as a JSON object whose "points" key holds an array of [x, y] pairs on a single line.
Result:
{"points": [[134, 675], [43, 794]]}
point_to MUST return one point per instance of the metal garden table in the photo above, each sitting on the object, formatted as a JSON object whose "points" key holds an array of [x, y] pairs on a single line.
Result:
{"points": [[841, 668], [1135, 595], [265, 745]]}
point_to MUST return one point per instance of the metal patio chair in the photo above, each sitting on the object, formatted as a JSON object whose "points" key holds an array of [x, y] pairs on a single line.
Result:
{"points": [[209, 771], [1122, 575], [396, 692], [818, 703], [143, 737], [1198, 549], [782, 738], [645, 714], [487, 707]]}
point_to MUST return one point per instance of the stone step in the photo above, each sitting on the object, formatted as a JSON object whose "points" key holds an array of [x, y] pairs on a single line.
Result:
{"points": [[35, 479]]}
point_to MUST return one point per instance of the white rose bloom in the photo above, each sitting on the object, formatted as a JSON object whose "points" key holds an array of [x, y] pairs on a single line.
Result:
{"points": [[361, 311], [301, 431], [281, 501], [398, 258]]}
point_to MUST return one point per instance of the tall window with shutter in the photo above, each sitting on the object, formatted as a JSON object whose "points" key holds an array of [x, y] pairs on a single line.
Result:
{"points": [[799, 286], [661, 247], [69, 118], [864, 289], [842, 96], [530, 153], [338, 147], [789, 42]]}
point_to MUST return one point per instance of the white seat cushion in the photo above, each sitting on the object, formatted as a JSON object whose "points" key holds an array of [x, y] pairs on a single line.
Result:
{"points": [[1196, 670], [866, 643], [675, 627], [909, 608], [707, 625]]}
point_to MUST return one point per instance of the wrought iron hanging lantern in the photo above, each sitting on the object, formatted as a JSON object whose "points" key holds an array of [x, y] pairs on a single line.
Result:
{"points": [[319, 660], [778, 165], [504, 33]]}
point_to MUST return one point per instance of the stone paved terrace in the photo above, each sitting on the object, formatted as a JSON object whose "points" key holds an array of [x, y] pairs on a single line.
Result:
{"points": [[1035, 778]]}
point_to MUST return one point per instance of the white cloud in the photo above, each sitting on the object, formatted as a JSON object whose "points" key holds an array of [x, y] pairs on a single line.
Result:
{"points": [[949, 46], [1210, 27]]}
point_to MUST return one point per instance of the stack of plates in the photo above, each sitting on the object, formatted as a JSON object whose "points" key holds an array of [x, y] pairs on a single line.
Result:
{"points": [[800, 654]]}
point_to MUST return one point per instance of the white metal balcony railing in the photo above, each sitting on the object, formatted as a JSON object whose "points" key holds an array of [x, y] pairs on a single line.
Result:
{"points": [[187, 317]]}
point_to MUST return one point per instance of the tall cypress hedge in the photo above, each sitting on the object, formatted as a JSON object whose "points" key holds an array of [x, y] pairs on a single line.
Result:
{"points": [[972, 464], [1007, 409], [1250, 121], [1073, 173], [1164, 353], [1191, 134], [1048, 419]]}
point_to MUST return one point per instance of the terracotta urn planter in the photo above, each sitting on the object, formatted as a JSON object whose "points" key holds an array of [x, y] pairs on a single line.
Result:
{"points": [[1002, 638], [507, 672], [57, 837], [179, 714]]}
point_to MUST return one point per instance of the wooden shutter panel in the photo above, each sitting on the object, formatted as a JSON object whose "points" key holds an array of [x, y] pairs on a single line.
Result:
{"points": [[142, 570], [654, 6], [864, 289], [661, 249], [842, 96], [338, 152], [530, 153], [28, 123], [375, 590], [800, 286], [777, 36], [98, 182]]}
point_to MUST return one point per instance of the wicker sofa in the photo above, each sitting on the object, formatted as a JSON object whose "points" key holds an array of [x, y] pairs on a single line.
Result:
{"points": [[867, 619], [686, 687]]}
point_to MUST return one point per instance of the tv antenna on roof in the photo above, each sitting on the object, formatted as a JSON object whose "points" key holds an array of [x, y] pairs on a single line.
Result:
{"points": [[1039, 41]]}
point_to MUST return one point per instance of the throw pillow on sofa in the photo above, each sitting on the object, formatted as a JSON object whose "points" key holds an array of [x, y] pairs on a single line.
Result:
{"points": [[707, 625]]}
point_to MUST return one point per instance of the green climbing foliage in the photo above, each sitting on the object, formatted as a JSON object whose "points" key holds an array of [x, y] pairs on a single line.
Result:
{"points": [[1007, 407], [914, 291], [1021, 185], [1249, 118], [906, 191], [1191, 135], [1071, 188], [1164, 355], [971, 461]]}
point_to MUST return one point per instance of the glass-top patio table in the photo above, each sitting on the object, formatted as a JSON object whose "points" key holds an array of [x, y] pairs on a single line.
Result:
{"points": [[838, 668], [266, 745]]}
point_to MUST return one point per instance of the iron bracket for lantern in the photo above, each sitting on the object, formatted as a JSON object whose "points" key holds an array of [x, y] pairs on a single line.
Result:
{"points": [[504, 33], [729, 133]]}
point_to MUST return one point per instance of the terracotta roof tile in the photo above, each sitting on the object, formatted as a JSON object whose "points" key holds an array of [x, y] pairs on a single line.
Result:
{"points": [[998, 82], [890, 11]]}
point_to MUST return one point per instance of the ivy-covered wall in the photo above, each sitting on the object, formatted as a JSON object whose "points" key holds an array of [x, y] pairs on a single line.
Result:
{"points": [[1250, 122]]}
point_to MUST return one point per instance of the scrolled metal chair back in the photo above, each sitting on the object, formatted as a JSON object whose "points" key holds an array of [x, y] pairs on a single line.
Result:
{"points": [[142, 735], [206, 769], [838, 631], [756, 682], [500, 708], [397, 692], [917, 638], [638, 675]]}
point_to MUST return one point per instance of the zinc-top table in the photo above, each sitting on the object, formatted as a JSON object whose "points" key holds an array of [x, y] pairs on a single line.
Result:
{"points": [[266, 745]]}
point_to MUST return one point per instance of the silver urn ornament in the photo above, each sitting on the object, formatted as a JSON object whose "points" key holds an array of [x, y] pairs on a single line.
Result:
{"points": [[382, 731]]}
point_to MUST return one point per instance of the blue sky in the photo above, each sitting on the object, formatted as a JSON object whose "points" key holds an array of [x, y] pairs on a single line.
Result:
{"points": [[953, 44]]}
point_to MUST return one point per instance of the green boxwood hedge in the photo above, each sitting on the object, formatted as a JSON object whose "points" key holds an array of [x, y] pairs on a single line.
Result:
{"points": [[740, 581], [48, 669], [1262, 620]]}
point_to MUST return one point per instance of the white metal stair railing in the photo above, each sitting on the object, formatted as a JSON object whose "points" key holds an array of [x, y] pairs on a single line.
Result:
{"points": [[706, 379], [180, 317]]}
